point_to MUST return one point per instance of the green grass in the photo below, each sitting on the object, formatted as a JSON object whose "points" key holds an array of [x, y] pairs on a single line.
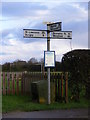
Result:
{"points": [[24, 103]]}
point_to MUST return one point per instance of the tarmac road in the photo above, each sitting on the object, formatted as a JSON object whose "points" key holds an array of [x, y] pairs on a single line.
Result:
{"points": [[69, 113]]}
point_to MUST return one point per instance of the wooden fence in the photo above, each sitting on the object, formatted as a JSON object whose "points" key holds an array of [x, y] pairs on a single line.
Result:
{"points": [[11, 83], [19, 83]]}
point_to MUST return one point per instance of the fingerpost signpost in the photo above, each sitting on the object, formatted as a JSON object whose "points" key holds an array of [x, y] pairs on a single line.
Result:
{"points": [[49, 56]]}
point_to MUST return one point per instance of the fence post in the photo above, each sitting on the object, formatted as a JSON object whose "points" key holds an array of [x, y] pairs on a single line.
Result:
{"points": [[8, 83], [0, 83], [58, 77], [17, 84], [13, 84], [62, 85], [66, 87], [43, 71], [4, 86], [45, 75], [22, 84], [55, 86]]}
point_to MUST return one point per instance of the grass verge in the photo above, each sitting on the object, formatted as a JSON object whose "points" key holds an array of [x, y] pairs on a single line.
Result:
{"points": [[24, 103]]}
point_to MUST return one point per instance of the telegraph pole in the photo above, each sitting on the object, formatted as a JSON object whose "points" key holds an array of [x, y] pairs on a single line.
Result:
{"points": [[48, 69]]}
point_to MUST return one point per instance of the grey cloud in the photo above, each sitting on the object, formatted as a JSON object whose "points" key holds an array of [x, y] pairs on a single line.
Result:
{"points": [[18, 33]]}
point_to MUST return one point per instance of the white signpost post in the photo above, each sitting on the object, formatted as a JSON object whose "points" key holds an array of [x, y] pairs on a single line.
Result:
{"points": [[56, 33]]}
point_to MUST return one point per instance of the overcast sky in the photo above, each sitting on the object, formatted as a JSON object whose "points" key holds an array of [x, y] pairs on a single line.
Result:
{"points": [[16, 16]]}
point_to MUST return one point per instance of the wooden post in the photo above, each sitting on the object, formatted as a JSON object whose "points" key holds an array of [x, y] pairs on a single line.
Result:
{"points": [[45, 76], [58, 85], [4, 86], [13, 84], [17, 84], [55, 86], [22, 84], [0, 83], [23, 77], [66, 87], [8, 83], [62, 85], [43, 71]]}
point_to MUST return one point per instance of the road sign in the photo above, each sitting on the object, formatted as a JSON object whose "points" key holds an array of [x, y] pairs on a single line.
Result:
{"points": [[29, 33], [49, 58], [54, 27], [61, 35], [53, 31]]}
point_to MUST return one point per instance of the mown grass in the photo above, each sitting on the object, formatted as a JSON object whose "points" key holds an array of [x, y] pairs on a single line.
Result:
{"points": [[24, 103]]}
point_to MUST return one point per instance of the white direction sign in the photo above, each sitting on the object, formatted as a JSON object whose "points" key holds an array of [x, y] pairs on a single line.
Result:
{"points": [[28, 33], [54, 26], [61, 35]]}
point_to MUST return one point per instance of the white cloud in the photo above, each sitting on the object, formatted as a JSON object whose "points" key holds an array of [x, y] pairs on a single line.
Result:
{"points": [[66, 12], [77, 6], [52, 5], [80, 41], [42, 13], [82, 12], [18, 50], [14, 23]]}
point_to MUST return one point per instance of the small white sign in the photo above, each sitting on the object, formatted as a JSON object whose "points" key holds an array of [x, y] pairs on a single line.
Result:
{"points": [[54, 26], [61, 35], [28, 33], [49, 58]]}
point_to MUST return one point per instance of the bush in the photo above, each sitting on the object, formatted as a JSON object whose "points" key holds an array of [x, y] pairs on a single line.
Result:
{"points": [[77, 63]]}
